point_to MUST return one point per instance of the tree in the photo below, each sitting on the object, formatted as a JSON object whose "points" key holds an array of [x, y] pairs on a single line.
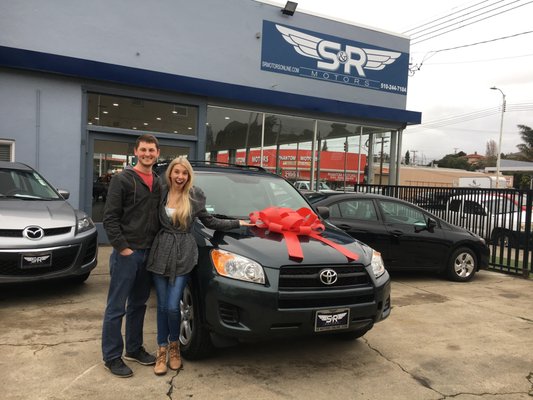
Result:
{"points": [[457, 161], [407, 157], [492, 149], [526, 148]]}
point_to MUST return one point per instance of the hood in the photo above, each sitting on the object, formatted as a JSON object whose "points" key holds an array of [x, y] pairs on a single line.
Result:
{"points": [[18, 214], [270, 249]]}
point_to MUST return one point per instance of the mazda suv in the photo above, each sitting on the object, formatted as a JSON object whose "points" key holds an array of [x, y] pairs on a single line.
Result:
{"points": [[42, 237]]}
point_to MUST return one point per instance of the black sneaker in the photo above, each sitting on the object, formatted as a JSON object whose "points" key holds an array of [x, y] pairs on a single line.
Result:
{"points": [[141, 356], [118, 368]]}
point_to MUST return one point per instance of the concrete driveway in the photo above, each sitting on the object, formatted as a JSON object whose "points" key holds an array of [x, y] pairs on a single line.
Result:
{"points": [[443, 340]]}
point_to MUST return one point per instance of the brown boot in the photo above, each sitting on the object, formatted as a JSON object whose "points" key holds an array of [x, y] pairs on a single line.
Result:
{"points": [[160, 367], [174, 356]]}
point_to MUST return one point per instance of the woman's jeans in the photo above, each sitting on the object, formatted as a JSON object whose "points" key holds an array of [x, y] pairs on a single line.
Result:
{"points": [[168, 307], [129, 289]]}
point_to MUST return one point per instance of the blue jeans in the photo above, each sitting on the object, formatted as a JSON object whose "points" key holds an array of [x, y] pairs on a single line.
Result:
{"points": [[129, 289], [168, 307]]}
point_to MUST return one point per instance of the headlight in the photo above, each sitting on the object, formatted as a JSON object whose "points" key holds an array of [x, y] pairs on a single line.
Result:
{"points": [[377, 264], [84, 224], [237, 267]]}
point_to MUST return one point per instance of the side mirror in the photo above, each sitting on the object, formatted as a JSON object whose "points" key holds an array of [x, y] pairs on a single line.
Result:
{"points": [[431, 223], [64, 193], [323, 212]]}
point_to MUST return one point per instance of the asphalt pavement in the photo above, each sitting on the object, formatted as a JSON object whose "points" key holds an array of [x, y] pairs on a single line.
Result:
{"points": [[443, 340]]}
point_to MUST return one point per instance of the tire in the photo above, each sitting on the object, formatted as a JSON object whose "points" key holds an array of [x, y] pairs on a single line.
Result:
{"points": [[462, 265], [503, 238], [195, 338]]}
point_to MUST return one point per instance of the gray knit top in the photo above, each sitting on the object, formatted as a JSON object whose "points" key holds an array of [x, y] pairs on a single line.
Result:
{"points": [[174, 251]]}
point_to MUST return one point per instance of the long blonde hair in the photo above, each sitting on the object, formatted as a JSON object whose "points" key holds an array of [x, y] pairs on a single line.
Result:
{"points": [[182, 212]]}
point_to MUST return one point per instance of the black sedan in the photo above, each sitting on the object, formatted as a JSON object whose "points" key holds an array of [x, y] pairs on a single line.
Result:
{"points": [[408, 237]]}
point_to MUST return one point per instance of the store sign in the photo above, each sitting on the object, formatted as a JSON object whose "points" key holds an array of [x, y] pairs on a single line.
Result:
{"points": [[308, 54]]}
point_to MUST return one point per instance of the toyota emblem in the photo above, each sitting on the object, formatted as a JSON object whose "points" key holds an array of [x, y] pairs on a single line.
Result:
{"points": [[33, 232], [328, 276]]}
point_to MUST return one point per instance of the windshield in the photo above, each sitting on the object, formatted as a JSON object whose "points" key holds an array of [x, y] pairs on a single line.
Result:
{"points": [[237, 195], [16, 183]]}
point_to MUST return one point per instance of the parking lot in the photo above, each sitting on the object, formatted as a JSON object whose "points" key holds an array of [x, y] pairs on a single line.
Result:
{"points": [[442, 340]]}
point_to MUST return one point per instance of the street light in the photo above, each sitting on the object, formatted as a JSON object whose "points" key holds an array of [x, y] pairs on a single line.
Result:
{"points": [[498, 158]]}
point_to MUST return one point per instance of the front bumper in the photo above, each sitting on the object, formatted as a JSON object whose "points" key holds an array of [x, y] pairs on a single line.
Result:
{"points": [[70, 258], [247, 311]]}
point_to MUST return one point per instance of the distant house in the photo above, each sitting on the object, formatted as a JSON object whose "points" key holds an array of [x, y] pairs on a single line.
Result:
{"points": [[474, 158]]}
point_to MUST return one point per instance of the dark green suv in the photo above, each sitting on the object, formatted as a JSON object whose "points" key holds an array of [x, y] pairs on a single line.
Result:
{"points": [[247, 287]]}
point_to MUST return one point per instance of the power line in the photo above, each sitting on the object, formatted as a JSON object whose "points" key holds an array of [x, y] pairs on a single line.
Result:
{"points": [[423, 39], [457, 119]]}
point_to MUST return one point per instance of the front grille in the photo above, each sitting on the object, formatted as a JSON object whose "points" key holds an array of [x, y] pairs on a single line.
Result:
{"points": [[308, 277], [301, 287], [47, 232], [62, 259]]}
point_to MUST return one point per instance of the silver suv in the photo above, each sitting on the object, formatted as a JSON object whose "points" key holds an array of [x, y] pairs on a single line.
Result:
{"points": [[41, 235]]}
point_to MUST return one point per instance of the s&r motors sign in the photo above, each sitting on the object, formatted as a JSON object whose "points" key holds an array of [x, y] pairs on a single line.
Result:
{"points": [[309, 54]]}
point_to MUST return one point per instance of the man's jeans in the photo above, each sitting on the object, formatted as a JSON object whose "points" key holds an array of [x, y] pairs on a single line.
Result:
{"points": [[129, 289], [168, 307]]}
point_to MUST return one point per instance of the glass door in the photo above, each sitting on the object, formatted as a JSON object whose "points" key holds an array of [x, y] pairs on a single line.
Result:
{"points": [[110, 154]]}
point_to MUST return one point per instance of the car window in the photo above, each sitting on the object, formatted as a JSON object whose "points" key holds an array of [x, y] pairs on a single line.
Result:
{"points": [[237, 195], [473, 207], [361, 209], [501, 206], [334, 211], [395, 212], [455, 205], [26, 184]]}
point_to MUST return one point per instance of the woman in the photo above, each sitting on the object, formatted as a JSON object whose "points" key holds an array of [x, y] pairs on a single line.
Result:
{"points": [[174, 254]]}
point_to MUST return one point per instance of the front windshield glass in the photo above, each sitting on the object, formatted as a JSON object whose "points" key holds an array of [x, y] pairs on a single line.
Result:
{"points": [[25, 184], [237, 195]]}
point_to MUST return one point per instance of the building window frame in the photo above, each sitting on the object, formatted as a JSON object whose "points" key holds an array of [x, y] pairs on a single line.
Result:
{"points": [[10, 144]]}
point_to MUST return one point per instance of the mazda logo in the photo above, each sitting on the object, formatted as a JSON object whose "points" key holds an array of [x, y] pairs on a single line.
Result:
{"points": [[328, 276], [33, 232]]}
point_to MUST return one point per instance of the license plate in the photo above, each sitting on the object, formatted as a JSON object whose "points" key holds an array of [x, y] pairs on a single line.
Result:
{"points": [[328, 320], [36, 260]]}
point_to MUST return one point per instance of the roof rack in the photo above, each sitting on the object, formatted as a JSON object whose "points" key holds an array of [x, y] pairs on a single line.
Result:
{"points": [[195, 163]]}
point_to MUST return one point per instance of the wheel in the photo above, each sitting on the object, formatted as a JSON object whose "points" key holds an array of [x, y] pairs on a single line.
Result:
{"points": [[194, 336], [503, 238], [462, 265]]}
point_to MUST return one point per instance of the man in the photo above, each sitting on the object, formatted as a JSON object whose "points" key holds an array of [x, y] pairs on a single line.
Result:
{"points": [[131, 222]]}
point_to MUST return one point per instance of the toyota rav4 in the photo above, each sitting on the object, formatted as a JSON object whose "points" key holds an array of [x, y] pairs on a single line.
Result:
{"points": [[246, 286]]}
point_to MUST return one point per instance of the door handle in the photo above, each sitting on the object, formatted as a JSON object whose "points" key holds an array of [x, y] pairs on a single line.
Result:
{"points": [[397, 233], [344, 226]]}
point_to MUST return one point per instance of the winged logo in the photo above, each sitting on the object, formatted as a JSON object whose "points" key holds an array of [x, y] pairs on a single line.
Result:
{"points": [[329, 319], [331, 55]]}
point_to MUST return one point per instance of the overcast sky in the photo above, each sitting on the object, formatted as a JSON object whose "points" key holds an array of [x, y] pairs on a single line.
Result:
{"points": [[453, 86]]}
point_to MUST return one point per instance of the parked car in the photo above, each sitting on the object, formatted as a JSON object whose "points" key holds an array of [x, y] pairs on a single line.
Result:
{"points": [[306, 186], [41, 236], [408, 237], [500, 218], [246, 287]]}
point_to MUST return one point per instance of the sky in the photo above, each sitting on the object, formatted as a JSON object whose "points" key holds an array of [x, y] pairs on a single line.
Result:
{"points": [[452, 87]]}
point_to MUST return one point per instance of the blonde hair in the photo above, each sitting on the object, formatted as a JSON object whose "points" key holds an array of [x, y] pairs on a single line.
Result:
{"points": [[182, 212]]}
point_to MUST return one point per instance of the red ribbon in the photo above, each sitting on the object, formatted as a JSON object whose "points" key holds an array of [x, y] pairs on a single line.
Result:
{"points": [[292, 224]]}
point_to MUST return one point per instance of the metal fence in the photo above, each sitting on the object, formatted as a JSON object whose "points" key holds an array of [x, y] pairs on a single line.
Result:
{"points": [[501, 216]]}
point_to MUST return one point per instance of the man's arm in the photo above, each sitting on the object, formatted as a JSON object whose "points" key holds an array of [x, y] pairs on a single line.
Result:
{"points": [[113, 212]]}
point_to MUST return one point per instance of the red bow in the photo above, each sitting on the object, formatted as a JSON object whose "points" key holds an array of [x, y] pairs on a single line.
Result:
{"points": [[292, 224]]}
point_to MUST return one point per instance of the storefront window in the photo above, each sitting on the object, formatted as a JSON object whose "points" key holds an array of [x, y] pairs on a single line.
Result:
{"points": [[142, 115], [233, 135]]}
